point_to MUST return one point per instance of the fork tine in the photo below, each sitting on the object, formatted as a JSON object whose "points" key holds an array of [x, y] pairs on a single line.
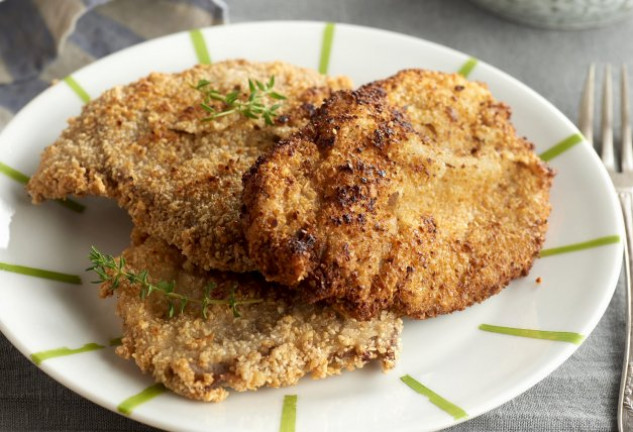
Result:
{"points": [[627, 146], [607, 121], [585, 120]]}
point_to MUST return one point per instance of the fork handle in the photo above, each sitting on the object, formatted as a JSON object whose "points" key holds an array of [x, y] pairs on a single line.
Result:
{"points": [[625, 402]]}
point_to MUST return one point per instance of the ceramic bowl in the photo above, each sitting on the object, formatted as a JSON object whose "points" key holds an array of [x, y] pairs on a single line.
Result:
{"points": [[561, 14]]}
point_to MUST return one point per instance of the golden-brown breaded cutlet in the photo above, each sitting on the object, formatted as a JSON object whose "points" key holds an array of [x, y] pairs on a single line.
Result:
{"points": [[180, 178], [272, 343], [413, 195]]}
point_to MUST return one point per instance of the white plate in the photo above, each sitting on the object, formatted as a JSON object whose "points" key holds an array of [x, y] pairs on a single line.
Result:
{"points": [[473, 369]]}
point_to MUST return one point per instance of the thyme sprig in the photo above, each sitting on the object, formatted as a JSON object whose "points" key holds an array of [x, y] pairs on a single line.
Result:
{"points": [[253, 107], [113, 271]]}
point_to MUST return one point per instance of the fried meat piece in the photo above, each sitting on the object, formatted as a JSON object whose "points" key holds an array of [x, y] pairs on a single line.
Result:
{"points": [[273, 343], [413, 194], [180, 178]]}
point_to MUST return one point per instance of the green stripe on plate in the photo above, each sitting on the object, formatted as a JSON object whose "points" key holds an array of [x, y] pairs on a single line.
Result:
{"points": [[575, 338], [288, 414], [40, 356], [14, 174], [602, 241], [434, 398], [468, 67], [79, 90], [561, 147], [71, 205], [200, 46], [326, 47], [127, 406], [115, 341], [20, 177], [45, 274]]}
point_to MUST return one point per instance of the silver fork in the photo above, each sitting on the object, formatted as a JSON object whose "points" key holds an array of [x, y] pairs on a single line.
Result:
{"points": [[623, 181]]}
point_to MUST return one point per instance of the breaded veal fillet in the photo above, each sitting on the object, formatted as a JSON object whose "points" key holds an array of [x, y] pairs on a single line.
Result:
{"points": [[273, 343], [413, 194], [179, 177]]}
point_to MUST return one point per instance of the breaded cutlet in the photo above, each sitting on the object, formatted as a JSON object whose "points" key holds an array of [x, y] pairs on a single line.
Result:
{"points": [[273, 343], [413, 194], [179, 177]]}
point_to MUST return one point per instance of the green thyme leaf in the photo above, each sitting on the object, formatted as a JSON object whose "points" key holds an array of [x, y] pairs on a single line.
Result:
{"points": [[112, 271], [202, 83], [253, 107]]}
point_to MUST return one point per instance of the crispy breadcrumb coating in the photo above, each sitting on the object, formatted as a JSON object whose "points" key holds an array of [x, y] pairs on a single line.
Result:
{"points": [[273, 343], [180, 178], [412, 194]]}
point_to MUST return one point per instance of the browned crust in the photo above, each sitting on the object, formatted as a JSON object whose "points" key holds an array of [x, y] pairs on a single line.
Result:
{"points": [[412, 194], [144, 145], [272, 344]]}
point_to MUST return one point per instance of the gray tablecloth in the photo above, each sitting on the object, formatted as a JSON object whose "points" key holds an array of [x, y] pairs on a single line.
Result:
{"points": [[582, 394]]}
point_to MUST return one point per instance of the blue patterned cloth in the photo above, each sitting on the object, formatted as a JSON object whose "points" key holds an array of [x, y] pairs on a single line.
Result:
{"points": [[45, 40]]}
